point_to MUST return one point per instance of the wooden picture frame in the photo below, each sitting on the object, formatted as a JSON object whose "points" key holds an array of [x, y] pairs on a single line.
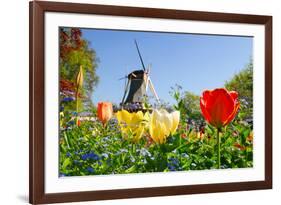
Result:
{"points": [[37, 10]]}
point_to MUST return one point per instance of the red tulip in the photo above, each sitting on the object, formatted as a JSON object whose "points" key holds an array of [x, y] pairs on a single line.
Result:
{"points": [[105, 112], [219, 106]]}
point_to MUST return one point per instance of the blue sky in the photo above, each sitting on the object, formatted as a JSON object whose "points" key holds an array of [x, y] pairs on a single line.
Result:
{"points": [[196, 62]]}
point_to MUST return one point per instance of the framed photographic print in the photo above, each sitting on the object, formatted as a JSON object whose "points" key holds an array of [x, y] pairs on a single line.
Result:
{"points": [[139, 102]]}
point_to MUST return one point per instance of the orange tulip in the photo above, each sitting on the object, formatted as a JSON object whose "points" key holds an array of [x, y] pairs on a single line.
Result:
{"points": [[78, 123], [219, 106], [105, 112]]}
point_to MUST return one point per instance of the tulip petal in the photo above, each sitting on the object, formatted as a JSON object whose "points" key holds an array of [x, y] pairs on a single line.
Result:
{"points": [[204, 111], [153, 127], [176, 120], [163, 133], [234, 95], [132, 124], [167, 122], [104, 111], [220, 106], [136, 118], [79, 78], [138, 132], [233, 114], [123, 116], [206, 95], [162, 124]]}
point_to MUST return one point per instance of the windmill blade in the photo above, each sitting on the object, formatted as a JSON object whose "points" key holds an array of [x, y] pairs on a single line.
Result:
{"points": [[148, 78], [126, 80], [146, 83], [126, 75], [148, 69], [153, 90], [125, 83], [123, 78], [128, 83], [140, 55]]}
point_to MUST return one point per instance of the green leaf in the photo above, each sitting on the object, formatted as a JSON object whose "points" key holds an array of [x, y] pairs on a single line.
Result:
{"points": [[131, 169], [66, 163]]}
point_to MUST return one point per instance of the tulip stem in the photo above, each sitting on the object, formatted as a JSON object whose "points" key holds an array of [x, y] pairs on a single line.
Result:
{"points": [[218, 149], [133, 148], [76, 95]]}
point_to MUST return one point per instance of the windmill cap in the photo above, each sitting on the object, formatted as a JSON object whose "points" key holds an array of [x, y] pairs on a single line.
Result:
{"points": [[137, 74]]}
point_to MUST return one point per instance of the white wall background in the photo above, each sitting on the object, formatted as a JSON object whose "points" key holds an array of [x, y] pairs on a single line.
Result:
{"points": [[14, 100]]}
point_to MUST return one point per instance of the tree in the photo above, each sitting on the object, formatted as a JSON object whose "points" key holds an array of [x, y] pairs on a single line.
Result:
{"points": [[75, 52], [187, 103], [242, 82], [192, 104]]}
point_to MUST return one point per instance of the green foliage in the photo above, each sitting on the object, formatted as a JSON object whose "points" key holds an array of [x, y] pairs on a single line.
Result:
{"points": [[192, 104], [187, 103], [75, 52], [91, 149], [177, 94], [242, 82]]}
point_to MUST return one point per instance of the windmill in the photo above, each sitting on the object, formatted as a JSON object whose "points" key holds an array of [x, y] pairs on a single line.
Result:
{"points": [[136, 86]]}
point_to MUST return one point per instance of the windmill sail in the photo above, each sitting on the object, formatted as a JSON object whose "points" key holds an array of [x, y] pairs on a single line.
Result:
{"points": [[153, 90], [143, 67], [137, 85]]}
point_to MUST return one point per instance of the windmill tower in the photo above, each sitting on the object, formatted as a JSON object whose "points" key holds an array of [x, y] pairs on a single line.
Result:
{"points": [[138, 82]]}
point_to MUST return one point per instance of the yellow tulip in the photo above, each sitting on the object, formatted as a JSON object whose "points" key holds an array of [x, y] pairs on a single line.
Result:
{"points": [[176, 120], [162, 124], [132, 124]]}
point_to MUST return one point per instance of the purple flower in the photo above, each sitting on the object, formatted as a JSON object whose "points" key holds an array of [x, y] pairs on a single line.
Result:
{"points": [[84, 157], [90, 155], [171, 167], [62, 175], [93, 156], [173, 164], [67, 99], [71, 122], [90, 170]]}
